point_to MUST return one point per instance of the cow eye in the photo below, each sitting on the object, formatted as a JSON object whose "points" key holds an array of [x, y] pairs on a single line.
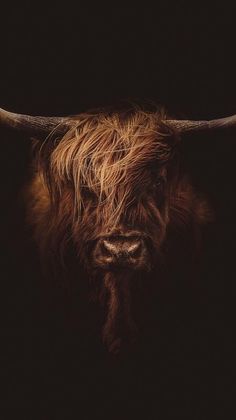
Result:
{"points": [[159, 181]]}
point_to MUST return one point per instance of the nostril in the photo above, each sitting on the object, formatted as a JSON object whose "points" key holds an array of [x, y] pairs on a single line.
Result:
{"points": [[134, 248], [109, 247]]}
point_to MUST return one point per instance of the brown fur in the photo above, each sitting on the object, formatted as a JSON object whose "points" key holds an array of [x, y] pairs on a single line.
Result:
{"points": [[100, 178]]}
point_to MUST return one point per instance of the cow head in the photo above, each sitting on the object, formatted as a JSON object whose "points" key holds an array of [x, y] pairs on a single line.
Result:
{"points": [[112, 177], [114, 168]]}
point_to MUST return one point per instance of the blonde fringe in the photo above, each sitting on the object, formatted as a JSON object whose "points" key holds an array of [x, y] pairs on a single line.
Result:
{"points": [[106, 155]]}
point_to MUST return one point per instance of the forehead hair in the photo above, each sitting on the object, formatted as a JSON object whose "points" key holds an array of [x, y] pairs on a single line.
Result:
{"points": [[106, 152]]}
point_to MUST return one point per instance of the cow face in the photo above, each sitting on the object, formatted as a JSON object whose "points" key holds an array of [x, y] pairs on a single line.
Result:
{"points": [[115, 171]]}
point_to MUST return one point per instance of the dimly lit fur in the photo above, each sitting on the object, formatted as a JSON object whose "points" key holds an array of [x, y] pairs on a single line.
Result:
{"points": [[102, 177]]}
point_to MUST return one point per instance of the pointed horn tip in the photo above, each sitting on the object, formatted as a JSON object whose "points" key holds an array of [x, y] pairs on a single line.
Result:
{"points": [[5, 115], [10, 119], [190, 126], [34, 124]]}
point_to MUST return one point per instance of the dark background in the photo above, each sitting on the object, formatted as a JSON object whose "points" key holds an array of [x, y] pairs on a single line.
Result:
{"points": [[57, 61]]}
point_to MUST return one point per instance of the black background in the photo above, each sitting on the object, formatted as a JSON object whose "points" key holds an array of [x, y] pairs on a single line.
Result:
{"points": [[61, 60]]}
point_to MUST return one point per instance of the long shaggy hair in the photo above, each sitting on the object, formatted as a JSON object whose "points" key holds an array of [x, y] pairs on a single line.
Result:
{"points": [[112, 170]]}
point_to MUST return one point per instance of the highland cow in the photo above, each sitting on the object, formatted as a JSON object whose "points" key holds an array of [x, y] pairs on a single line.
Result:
{"points": [[110, 185]]}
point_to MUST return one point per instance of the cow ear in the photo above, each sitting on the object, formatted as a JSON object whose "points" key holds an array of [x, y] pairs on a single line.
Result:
{"points": [[36, 126]]}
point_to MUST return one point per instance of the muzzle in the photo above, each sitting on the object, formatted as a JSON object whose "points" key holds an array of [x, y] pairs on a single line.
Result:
{"points": [[127, 250]]}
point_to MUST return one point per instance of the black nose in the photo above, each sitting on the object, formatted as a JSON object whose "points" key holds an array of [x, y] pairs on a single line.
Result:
{"points": [[121, 247]]}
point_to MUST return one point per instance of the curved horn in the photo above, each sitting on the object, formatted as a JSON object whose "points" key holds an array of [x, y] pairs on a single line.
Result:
{"points": [[42, 126], [38, 126], [188, 126]]}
